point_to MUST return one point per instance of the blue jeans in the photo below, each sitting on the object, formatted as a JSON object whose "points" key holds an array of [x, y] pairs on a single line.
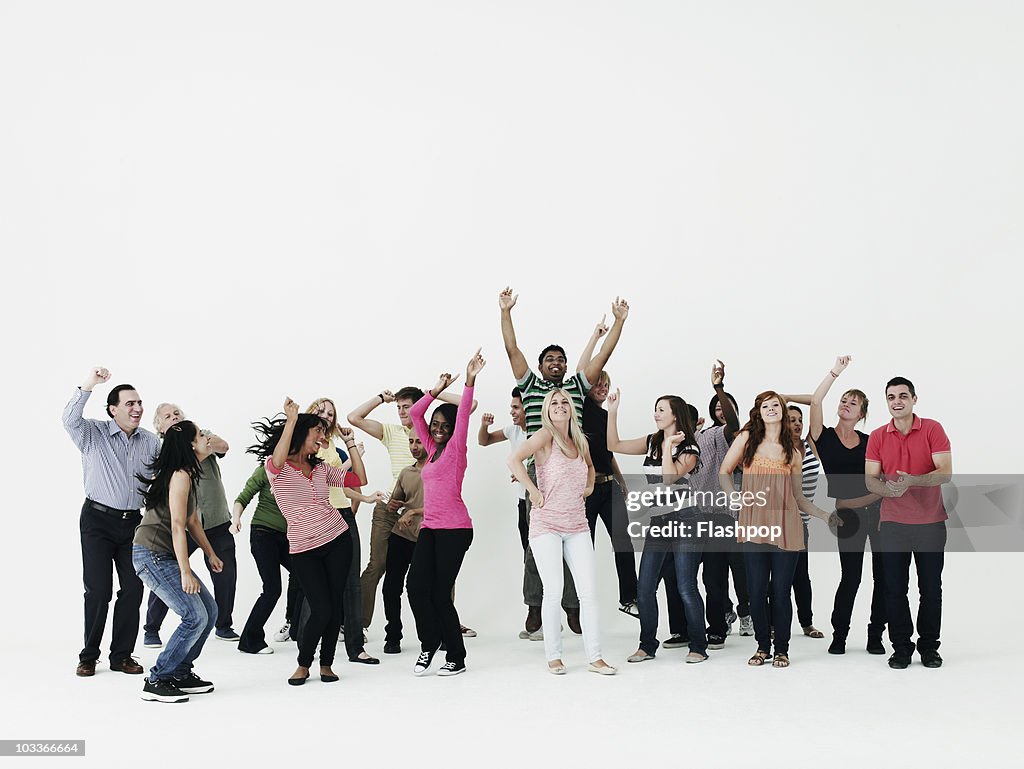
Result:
{"points": [[768, 565], [686, 565], [160, 573]]}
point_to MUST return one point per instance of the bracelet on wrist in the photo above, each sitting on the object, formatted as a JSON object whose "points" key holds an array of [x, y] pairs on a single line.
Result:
{"points": [[381, 396], [833, 373]]}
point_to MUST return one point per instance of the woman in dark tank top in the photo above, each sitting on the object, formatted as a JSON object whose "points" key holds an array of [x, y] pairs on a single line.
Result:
{"points": [[842, 451]]}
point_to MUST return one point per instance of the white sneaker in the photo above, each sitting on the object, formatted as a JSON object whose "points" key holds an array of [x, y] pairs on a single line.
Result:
{"points": [[282, 635], [536, 635], [746, 626]]}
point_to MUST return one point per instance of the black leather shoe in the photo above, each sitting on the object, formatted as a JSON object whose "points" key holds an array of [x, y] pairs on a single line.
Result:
{"points": [[86, 668], [931, 659], [875, 645], [899, 662], [367, 660], [127, 665]]}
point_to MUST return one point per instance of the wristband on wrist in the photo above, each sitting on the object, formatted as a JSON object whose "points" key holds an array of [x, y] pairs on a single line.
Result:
{"points": [[381, 396]]}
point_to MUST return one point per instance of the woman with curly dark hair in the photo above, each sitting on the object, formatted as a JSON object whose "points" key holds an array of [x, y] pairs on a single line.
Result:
{"points": [[160, 557], [769, 525], [319, 542]]}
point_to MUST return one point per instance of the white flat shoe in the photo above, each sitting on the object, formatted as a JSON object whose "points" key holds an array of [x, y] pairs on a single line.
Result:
{"points": [[606, 670], [640, 656], [558, 670]]}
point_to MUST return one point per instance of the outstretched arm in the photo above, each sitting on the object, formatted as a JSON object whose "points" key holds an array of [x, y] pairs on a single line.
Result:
{"points": [[291, 413], [506, 301], [732, 419], [620, 309], [817, 420], [588, 351], [484, 436], [615, 444]]}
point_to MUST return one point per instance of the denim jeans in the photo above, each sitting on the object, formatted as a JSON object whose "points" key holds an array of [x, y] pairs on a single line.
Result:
{"points": [[224, 581], [687, 562], [767, 564], [925, 542], [270, 551], [198, 612]]}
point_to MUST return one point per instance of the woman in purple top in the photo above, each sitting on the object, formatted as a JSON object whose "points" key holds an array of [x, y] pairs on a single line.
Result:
{"points": [[558, 523], [447, 530]]}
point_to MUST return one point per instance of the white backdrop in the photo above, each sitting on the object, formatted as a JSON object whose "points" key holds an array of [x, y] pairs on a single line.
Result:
{"points": [[225, 203]]}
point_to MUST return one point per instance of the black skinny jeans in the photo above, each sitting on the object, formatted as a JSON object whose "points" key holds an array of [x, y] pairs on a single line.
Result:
{"points": [[436, 561], [269, 549], [322, 573], [926, 542], [860, 525], [602, 504]]}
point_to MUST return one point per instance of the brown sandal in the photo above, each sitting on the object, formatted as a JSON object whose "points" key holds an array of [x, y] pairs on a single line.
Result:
{"points": [[781, 661], [758, 659], [812, 632]]}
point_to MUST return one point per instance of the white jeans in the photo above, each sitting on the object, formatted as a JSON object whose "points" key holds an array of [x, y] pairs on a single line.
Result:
{"points": [[578, 551]]}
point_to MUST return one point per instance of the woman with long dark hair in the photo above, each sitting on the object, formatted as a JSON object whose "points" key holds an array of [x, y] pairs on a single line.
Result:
{"points": [[160, 557], [558, 523], [319, 541], [769, 526], [671, 453], [447, 530]]}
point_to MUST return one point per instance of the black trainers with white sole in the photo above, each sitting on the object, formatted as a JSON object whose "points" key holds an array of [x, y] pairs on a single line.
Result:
{"points": [[193, 684], [452, 669], [162, 691], [423, 662]]}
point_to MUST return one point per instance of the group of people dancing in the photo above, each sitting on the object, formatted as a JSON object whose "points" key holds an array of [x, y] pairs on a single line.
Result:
{"points": [[152, 499]]}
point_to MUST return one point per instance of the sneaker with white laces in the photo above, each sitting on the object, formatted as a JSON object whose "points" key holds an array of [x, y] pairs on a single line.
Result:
{"points": [[162, 691], [283, 634], [730, 620], [467, 632], [631, 609], [452, 668], [746, 626], [423, 662], [193, 684]]}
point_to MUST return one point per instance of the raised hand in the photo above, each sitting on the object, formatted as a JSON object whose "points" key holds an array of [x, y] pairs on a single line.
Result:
{"points": [[620, 309], [717, 373], [476, 364], [613, 400], [291, 410], [673, 440], [443, 381], [347, 433], [96, 376], [388, 396], [601, 328], [506, 299], [487, 419], [840, 365]]}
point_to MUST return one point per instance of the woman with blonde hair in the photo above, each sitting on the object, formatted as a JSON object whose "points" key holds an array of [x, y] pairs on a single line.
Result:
{"points": [[558, 523], [769, 527]]}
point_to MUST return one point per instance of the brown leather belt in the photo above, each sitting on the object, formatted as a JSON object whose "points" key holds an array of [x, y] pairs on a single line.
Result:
{"points": [[603, 479]]}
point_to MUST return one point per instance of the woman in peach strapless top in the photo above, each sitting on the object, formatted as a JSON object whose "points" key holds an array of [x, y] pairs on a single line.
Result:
{"points": [[769, 523]]}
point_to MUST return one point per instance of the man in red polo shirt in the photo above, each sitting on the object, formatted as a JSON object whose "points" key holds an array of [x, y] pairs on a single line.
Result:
{"points": [[906, 462]]}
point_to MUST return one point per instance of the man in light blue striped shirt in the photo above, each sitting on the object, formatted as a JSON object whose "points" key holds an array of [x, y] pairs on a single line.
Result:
{"points": [[114, 452]]}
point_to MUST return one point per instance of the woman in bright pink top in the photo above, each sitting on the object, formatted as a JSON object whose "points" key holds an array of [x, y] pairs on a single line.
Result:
{"points": [[319, 540], [447, 531], [558, 523]]}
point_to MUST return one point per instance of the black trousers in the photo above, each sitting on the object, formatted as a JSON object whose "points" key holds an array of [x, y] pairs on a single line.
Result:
{"points": [[322, 572], [715, 562], [269, 549], [223, 543], [524, 526], [400, 551], [106, 546], [436, 561], [926, 543], [860, 526], [351, 605], [601, 504]]}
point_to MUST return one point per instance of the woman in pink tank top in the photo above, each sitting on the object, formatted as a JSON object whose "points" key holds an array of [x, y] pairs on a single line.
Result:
{"points": [[558, 523]]}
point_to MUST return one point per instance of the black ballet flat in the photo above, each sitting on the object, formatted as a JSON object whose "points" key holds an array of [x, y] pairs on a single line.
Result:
{"points": [[328, 679], [298, 681], [368, 660]]}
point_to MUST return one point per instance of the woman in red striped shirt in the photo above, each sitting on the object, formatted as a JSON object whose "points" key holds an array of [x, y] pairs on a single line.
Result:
{"points": [[319, 541]]}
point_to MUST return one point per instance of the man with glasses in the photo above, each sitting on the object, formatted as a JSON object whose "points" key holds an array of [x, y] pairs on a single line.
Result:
{"points": [[534, 388]]}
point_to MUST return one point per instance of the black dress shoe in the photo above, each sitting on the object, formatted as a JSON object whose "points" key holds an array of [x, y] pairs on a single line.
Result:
{"points": [[899, 662], [931, 659], [127, 665], [367, 660], [875, 645], [838, 645], [86, 668]]}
